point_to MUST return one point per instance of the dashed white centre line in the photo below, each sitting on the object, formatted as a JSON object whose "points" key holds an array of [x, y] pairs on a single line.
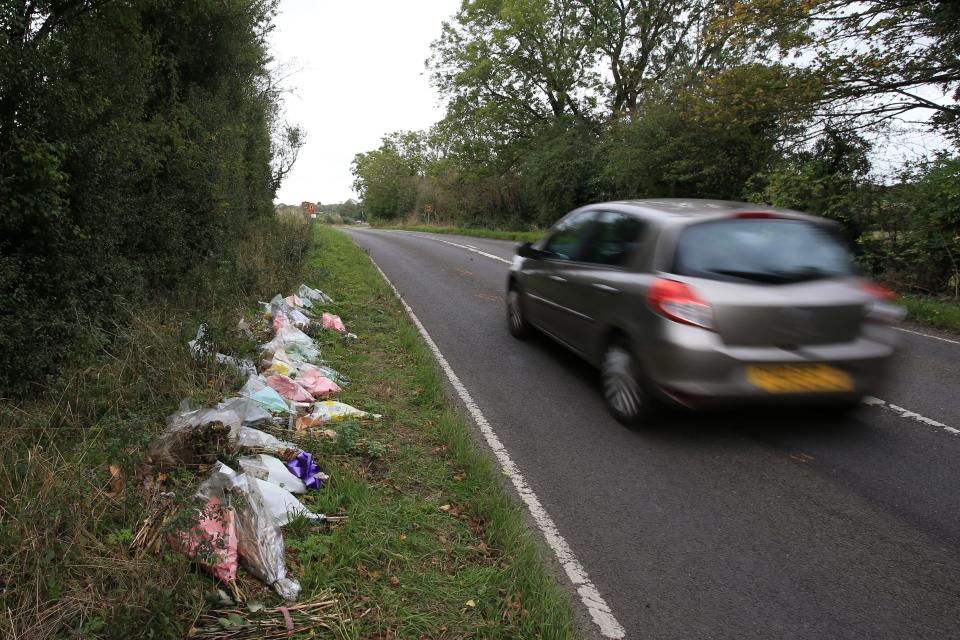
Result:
{"points": [[468, 247], [927, 335], [906, 413], [597, 607]]}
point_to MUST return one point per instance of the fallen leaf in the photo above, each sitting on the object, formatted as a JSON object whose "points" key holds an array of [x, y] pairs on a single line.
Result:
{"points": [[445, 507], [116, 481], [471, 604]]}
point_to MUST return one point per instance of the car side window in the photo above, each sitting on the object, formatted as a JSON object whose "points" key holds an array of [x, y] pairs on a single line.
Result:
{"points": [[568, 236], [614, 239]]}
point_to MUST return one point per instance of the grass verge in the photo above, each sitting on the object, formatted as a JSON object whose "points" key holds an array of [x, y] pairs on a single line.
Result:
{"points": [[433, 547], [937, 312], [517, 236]]}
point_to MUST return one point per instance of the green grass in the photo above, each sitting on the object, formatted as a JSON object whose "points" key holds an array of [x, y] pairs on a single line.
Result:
{"points": [[517, 236], [937, 312], [430, 528]]}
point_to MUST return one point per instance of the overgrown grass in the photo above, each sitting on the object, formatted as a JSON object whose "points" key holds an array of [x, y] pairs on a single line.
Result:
{"points": [[494, 234], [433, 547], [65, 565], [937, 312]]}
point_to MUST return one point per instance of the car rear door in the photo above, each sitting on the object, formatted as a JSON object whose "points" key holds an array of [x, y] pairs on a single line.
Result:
{"points": [[598, 284]]}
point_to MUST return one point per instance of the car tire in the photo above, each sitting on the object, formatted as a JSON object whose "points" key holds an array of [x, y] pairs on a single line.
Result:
{"points": [[623, 387], [516, 318]]}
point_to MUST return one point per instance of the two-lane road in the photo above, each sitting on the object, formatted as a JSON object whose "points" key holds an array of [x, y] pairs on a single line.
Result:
{"points": [[760, 525]]}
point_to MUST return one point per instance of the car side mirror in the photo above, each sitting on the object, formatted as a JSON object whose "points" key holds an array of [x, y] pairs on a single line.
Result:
{"points": [[525, 250]]}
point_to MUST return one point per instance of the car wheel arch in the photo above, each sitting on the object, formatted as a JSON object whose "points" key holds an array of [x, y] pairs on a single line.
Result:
{"points": [[610, 335]]}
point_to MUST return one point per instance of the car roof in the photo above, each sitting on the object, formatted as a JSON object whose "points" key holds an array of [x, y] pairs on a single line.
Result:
{"points": [[683, 210]]}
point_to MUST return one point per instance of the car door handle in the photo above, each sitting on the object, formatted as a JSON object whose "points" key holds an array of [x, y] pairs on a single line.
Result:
{"points": [[605, 288], [560, 279]]}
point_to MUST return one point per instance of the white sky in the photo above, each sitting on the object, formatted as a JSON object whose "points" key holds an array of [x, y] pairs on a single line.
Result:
{"points": [[361, 76]]}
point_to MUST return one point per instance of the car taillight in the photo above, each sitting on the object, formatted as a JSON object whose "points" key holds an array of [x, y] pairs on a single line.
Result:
{"points": [[877, 291], [678, 302], [880, 308]]}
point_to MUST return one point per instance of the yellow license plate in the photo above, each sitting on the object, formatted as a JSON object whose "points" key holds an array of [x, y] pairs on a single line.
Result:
{"points": [[799, 378]]}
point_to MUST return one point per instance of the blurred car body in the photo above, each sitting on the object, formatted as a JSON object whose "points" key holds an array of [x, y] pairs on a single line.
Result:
{"points": [[705, 303]]}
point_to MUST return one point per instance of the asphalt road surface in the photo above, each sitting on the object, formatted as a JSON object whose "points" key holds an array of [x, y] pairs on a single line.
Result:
{"points": [[735, 525]]}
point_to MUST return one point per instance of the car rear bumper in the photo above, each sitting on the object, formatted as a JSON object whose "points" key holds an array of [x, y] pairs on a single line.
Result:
{"points": [[695, 368]]}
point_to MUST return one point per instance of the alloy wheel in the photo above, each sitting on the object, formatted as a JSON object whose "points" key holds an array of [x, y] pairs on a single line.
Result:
{"points": [[516, 322], [621, 387]]}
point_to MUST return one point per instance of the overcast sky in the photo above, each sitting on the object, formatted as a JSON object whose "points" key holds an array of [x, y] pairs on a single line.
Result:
{"points": [[361, 76]]}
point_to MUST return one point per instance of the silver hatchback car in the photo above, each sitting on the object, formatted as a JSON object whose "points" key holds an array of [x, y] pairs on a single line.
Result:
{"points": [[704, 302]]}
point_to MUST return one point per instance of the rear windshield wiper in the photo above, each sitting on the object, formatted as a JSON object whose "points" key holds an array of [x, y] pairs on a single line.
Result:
{"points": [[778, 277], [756, 276]]}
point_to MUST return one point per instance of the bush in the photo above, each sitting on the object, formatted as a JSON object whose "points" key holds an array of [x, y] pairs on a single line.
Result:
{"points": [[137, 148], [914, 240]]}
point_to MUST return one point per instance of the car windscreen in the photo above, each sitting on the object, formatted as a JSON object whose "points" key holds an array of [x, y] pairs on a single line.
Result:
{"points": [[768, 250]]}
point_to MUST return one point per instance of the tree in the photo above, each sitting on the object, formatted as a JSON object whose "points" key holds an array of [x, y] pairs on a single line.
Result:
{"points": [[386, 180], [518, 62], [285, 143], [827, 179], [650, 43], [881, 60]]}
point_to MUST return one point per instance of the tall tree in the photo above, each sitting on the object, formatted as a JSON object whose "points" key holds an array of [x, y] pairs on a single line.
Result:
{"points": [[645, 44], [521, 62], [881, 60]]}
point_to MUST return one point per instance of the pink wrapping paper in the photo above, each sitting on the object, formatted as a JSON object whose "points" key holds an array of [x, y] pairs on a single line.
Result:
{"points": [[315, 382], [288, 389], [331, 321], [214, 538]]}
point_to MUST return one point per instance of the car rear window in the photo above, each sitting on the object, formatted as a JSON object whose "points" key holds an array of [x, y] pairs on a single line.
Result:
{"points": [[775, 251]]}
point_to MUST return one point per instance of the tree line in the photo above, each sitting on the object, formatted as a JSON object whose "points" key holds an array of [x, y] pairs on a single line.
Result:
{"points": [[551, 104], [139, 140]]}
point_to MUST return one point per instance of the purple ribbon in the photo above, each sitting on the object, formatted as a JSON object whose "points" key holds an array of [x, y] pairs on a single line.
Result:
{"points": [[307, 470]]}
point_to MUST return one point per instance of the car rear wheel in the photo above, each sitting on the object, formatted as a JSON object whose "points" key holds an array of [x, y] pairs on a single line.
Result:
{"points": [[516, 320], [623, 390]]}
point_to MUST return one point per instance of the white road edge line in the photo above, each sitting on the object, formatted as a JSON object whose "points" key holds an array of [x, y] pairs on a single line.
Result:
{"points": [[927, 335], [597, 607], [906, 413]]}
